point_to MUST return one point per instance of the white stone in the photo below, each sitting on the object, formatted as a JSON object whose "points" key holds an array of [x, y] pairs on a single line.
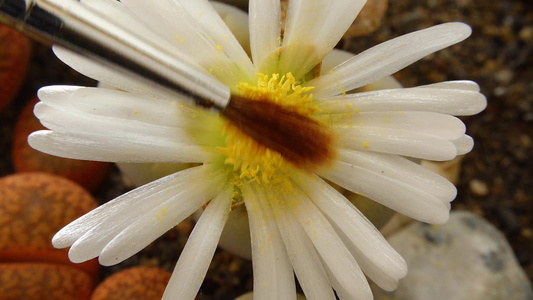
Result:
{"points": [[467, 258]]}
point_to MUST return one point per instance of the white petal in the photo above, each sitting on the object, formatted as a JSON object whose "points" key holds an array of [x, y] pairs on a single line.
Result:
{"points": [[376, 257], [466, 85], [203, 12], [273, 275], [197, 33], [403, 170], [77, 123], [393, 193], [122, 105], [91, 244], [199, 250], [388, 57], [330, 247], [396, 141], [459, 102], [313, 28], [342, 292], [112, 149], [89, 117], [133, 201], [265, 31], [340, 17], [464, 144], [304, 259], [237, 22], [380, 274], [304, 20], [154, 222], [441, 125], [107, 75], [334, 58]]}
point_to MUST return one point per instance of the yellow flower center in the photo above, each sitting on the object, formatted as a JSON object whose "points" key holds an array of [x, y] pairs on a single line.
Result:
{"points": [[248, 159]]}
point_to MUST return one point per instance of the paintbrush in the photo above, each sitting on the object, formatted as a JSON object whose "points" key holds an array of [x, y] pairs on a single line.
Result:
{"points": [[301, 140]]}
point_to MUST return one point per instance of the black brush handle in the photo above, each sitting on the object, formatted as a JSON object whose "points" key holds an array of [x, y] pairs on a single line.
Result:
{"points": [[40, 24]]}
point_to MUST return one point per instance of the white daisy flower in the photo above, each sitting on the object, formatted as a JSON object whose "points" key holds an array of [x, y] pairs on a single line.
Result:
{"points": [[299, 223]]}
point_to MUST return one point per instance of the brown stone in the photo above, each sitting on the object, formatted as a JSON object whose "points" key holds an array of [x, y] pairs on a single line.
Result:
{"points": [[33, 207], [37, 281], [138, 283], [369, 19], [15, 54]]}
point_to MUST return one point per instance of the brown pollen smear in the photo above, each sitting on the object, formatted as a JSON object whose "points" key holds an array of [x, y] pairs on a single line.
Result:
{"points": [[301, 140]]}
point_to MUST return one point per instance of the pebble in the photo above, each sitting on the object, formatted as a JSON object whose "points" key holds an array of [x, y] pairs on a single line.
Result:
{"points": [[15, 54], [369, 19], [500, 91], [33, 207], [479, 188], [526, 33], [504, 76], [39, 281], [465, 259], [137, 283]]}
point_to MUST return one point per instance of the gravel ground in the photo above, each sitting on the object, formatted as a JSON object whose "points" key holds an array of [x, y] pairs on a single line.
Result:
{"points": [[496, 177]]}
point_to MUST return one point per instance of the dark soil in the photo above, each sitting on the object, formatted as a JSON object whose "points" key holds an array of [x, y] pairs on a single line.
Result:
{"points": [[496, 179]]}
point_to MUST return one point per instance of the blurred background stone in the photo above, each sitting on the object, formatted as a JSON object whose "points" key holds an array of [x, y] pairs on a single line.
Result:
{"points": [[138, 283], [43, 281], [368, 20], [33, 207], [464, 259], [15, 55]]}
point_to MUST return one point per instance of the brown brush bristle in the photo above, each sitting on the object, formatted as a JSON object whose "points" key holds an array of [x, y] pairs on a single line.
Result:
{"points": [[301, 140]]}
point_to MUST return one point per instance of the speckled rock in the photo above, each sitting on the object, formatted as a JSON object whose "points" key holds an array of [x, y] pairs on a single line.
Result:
{"points": [[139, 283], [33, 207], [467, 258], [39, 281], [369, 19], [15, 54]]}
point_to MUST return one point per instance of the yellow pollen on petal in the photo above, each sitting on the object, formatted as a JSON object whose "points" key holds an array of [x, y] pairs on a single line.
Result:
{"points": [[249, 160], [179, 39], [343, 91], [160, 215]]}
